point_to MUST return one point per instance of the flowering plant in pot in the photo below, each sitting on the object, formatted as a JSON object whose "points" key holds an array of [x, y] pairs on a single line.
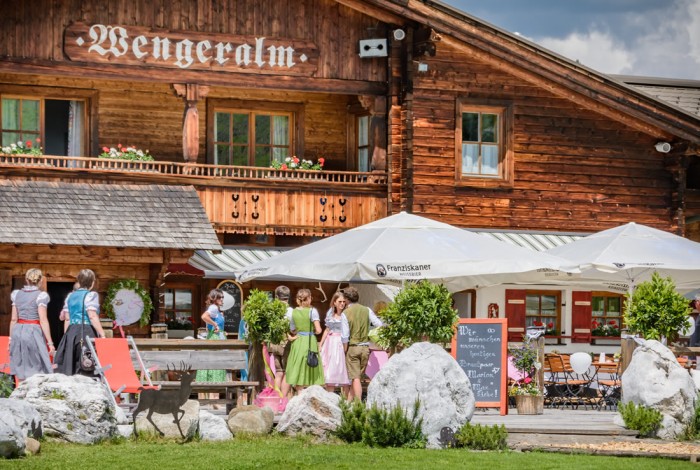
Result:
{"points": [[529, 398], [296, 163], [126, 153], [22, 148]]}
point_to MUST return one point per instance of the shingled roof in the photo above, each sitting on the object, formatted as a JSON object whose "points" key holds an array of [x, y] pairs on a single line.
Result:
{"points": [[137, 216]]}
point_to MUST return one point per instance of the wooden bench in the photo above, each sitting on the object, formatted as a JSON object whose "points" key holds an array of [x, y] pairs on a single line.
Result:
{"points": [[235, 392]]}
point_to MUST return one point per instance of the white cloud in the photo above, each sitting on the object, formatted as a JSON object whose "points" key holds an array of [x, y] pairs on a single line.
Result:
{"points": [[594, 49]]}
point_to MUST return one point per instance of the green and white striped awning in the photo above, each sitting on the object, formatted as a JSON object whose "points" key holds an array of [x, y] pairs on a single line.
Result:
{"points": [[222, 265], [536, 241]]}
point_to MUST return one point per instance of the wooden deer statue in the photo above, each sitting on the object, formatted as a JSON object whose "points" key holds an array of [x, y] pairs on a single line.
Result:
{"points": [[167, 401]]}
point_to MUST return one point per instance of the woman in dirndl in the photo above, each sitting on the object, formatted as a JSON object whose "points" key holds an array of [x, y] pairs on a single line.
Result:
{"points": [[214, 319], [30, 334], [80, 319], [304, 325], [332, 345]]}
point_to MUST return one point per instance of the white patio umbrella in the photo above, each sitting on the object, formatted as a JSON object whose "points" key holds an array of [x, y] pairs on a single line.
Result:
{"points": [[408, 247], [623, 256]]}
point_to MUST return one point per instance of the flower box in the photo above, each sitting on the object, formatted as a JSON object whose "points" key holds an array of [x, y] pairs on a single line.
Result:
{"points": [[529, 404]]}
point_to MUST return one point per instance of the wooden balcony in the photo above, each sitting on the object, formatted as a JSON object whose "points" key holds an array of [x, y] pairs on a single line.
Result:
{"points": [[247, 200]]}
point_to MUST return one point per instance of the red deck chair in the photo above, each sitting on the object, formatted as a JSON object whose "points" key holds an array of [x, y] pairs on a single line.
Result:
{"points": [[113, 363], [4, 355]]}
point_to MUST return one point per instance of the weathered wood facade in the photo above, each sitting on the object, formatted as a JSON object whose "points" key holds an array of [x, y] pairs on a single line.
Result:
{"points": [[575, 149]]}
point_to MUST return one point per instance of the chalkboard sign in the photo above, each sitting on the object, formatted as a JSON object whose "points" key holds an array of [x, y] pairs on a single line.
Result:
{"points": [[232, 305], [480, 348]]}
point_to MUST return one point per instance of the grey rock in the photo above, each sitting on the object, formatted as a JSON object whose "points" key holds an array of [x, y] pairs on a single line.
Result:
{"points": [[250, 420], [72, 408], [314, 411], [25, 416], [425, 371], [213, 427], [32, 446], [125, 430], [12, 438], [654, 378]]}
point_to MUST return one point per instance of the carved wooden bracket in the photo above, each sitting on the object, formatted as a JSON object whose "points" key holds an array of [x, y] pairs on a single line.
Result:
{"points": [[425, 42], [190, 93]]}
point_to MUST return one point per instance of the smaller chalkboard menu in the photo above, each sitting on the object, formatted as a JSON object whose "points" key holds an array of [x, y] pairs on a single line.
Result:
{"points": [[231, 306], [480, 348]]}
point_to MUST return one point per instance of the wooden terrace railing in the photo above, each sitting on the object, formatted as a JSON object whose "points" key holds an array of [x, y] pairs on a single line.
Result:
{"points": [[201, 173]]}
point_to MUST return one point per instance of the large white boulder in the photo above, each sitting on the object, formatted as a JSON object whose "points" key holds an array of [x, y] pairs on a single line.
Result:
{"points": [[166, 425], [654, 378], [426, 372], [314, 411], [12, 438], [72, 408]]}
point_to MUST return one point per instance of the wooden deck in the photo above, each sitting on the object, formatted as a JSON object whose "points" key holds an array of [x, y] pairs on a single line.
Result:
{"points": [[555, 421]]}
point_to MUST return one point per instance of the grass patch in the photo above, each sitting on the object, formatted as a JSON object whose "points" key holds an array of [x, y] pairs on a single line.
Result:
{"points": [[279, 452]]}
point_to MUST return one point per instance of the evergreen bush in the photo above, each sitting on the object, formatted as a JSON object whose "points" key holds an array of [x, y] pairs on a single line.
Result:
{"points": [[393, 428], [352, 421], [478, 437], [656, 310], [641, 418], [421, 311]]}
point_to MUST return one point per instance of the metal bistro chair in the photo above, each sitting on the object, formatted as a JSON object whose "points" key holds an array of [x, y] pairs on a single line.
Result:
{"points": [[565, 386], [610, 388]]}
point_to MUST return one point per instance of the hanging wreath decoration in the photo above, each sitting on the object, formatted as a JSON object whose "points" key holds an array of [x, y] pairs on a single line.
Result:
{"points": [[127, 302]]}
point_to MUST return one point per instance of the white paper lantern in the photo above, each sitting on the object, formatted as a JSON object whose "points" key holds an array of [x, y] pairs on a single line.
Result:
{"points": [[128, 307], [580, 362]]}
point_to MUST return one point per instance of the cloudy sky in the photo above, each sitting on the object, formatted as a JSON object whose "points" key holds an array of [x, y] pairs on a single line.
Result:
{"points": [[653, 38]]}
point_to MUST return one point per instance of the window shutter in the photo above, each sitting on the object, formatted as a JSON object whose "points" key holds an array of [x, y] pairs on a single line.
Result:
{"points": [[515, 313], [581, 317]]}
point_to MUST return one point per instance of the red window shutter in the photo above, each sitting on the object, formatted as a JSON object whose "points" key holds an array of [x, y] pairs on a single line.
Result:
{"points": [[581, 317], [515, 313]]}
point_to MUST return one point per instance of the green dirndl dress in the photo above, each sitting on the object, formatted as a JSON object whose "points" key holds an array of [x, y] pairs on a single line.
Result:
{"points": [[298, 372]]}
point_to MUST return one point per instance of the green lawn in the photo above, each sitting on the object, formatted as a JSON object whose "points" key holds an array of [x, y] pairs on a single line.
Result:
{"points": [[280, 453]]}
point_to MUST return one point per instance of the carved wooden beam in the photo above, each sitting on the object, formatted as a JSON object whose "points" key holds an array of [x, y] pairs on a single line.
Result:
{"points": [[191, 93]]}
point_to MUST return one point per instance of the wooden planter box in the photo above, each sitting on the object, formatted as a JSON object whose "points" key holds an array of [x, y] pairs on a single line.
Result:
{"points": [[529, 404]]}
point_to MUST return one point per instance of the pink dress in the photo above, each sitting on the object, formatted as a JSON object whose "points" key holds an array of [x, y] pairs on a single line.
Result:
{"points": [[333, 354]]}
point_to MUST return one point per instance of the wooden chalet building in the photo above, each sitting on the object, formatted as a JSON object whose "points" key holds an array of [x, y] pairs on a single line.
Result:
{"points": [[411, 104]]}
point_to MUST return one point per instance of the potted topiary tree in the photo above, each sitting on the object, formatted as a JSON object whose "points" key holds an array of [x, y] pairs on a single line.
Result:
{"points": [[266, 322], [656, 311], [422, 311]]}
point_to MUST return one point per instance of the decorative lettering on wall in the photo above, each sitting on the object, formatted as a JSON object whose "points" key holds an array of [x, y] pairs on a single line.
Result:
{"points": [[134, 45]]}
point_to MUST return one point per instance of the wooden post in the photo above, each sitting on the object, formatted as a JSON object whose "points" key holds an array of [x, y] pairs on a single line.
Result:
{"points": [[191, 93], [540, 359], [627, 347]]}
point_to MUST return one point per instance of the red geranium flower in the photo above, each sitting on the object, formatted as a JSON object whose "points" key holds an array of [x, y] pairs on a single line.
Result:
{"points": [[550, 325], [295, 160], [527, 380], [119, 146], [321, 161], [29, 144], [537, 323], [38, 140], [284, 166], [595, 324], [612, 323], [105, 149]]}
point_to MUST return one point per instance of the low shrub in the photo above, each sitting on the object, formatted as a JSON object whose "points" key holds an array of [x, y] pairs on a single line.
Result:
{"points": [[478, 437], [692, 429], [352, 421], [393, 428], [6, 385], [641, 418]]}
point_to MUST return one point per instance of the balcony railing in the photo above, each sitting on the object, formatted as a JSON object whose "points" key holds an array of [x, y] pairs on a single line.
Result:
{"points": [[194, 171], [236, 199]]}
